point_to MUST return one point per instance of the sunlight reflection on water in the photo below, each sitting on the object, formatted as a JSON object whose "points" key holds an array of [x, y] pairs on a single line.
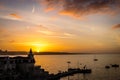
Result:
{"points": [[54, 63]]}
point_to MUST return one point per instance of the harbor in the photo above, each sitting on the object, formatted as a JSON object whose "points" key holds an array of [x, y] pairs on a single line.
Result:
{"points": [[59, 39], [25, 68]]}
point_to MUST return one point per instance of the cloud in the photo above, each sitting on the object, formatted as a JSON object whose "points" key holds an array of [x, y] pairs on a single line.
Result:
{"points": [[51, 4], [68, 34], [116, 26], [37, 28], [46, 32], [12, 16], [41, 27], [11, 41], [2, 6], [2, 29], [16, 16], [6, 41], [79, 8], [49, 9], [1, 40]]}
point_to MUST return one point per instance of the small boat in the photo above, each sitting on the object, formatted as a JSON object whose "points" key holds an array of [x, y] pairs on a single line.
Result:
{"points": [[115, 65], [107, 67], [95, 59]]}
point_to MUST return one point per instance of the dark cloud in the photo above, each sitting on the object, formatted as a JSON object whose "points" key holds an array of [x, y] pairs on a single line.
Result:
{"points": [[116, 26], [80, 8]]}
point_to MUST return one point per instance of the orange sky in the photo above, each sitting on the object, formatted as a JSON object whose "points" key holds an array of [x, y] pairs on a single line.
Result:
{"points": [[57, 25]]}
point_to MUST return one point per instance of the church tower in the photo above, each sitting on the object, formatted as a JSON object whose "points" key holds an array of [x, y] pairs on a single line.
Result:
{"points": [[30, 55]]}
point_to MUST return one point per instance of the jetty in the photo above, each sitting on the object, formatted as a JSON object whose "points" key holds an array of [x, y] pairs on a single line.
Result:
{"points": [[70, 71]]}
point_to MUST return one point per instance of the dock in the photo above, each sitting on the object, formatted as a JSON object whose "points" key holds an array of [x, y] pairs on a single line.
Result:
{"points": [[70, 71]]}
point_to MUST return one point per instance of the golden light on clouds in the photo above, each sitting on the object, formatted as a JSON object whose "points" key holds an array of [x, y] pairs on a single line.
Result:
{"points": [[117, 26], [59, 25], [46, 32], [14, 15], [49, 9]]}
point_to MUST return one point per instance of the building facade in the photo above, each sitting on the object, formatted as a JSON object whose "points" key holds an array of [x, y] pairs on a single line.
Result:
{"points": [[19, 67]]}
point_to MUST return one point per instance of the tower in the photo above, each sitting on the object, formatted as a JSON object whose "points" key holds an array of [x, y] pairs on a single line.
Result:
{"points": [[30, 55]]}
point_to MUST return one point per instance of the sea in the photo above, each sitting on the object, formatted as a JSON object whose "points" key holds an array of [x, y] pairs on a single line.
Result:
{"points": [[57, 63]]}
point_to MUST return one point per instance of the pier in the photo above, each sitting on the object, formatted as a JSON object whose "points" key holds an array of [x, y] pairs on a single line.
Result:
{"points": [[71, 71]]}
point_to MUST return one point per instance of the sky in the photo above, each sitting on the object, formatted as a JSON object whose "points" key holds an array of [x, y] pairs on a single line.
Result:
{"points": [[91, 26]]}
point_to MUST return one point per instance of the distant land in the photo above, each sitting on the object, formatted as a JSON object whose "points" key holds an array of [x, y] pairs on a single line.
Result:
{"points": [[39, 53], [46, 53]]}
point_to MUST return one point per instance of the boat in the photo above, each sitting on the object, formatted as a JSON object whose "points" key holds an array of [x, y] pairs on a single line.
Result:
{"points": [[95, 59], [115, 65], [107, 67]]}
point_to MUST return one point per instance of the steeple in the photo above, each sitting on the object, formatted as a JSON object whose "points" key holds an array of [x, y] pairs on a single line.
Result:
{"points": [[30, 51], [30, 55]]}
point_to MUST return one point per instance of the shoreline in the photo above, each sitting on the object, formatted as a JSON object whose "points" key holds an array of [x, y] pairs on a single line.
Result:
{"points": [[53, 53]]}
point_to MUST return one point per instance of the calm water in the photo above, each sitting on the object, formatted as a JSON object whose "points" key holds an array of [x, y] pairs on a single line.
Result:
{"points": [[54, 63]]}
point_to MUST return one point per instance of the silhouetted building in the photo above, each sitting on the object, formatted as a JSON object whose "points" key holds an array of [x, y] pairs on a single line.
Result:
{"points": [[20, 67], [0, 50]]}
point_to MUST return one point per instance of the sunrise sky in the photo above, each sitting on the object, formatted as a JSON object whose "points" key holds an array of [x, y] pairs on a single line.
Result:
{"points": [[60, 25]]}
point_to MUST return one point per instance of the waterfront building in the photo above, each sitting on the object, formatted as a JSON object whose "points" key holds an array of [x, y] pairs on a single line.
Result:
{"points": [[13, 68]]}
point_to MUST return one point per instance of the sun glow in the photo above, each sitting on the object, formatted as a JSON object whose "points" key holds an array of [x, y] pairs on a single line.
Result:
{"points": [[38, 50], [38, 47]]}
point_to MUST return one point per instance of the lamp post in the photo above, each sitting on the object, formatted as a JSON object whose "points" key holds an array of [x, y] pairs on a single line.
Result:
{"points": [[68, 64], [68, 67]]}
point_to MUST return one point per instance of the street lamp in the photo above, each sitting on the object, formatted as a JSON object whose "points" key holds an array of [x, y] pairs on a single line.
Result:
{"points": [[68, 64]]}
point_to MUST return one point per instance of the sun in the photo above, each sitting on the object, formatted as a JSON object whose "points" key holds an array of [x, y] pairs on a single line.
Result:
{"points": [[38, 50], [39, 47]]}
